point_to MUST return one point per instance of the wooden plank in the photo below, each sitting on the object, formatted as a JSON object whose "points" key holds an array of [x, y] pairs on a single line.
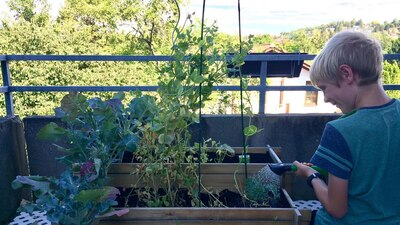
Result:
{"points": [[231, 168], [250, 150], [305, 217], [197, 213], [218, 213], [196, 222], [254, 150]]}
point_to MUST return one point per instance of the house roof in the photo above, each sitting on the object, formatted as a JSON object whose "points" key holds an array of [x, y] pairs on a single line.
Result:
{"points": [[271, 48]]}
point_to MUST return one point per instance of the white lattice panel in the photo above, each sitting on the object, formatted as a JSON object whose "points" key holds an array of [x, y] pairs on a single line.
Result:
{"points": [[311, 204], [38, 218]]}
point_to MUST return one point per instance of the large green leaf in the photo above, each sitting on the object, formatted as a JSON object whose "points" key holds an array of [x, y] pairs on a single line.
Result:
{"points": [[143, 107], [196, 77], [165, 139], [131, 142], [119, 95], [51, 132], [155, 126], [95, 195], [250, 130], [35, 182], [71, 102]]}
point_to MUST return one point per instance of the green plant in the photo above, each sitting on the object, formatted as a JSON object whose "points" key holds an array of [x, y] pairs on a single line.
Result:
{"points": [[185, 85], [210, 146], [260, 193], [166, 140], [97, 133], [68, 200]]}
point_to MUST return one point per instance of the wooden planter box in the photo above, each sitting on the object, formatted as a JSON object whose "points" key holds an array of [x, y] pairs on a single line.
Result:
{"points": [[215, 177]]}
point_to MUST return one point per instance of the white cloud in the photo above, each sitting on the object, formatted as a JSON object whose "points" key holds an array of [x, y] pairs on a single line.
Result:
{"points": [[264, 16]]}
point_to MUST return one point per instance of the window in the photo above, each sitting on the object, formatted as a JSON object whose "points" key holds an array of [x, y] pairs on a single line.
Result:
{"points": [[311, 98]]}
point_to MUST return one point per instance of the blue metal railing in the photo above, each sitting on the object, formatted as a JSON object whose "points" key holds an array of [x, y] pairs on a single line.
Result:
{"points": [[262, 88]]}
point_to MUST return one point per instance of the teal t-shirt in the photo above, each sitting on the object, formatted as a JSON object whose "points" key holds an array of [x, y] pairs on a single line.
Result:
{"points": [[364, 148]]}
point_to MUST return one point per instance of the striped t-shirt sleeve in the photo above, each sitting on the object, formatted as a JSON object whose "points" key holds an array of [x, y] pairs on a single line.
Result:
{"points": [[333, 154]]}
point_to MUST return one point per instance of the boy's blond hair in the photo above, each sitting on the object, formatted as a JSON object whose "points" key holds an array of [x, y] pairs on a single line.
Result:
{"points": [[362, 53]]}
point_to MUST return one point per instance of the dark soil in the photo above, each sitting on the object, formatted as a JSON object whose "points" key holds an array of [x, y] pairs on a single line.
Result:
{"points": [[130, 198]]}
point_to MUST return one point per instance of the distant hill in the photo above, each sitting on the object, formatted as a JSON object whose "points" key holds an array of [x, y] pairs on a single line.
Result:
{"points": [[312, 39]]}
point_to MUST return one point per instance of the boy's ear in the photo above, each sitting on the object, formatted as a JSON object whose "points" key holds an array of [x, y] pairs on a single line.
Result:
{"points": [[347, 73]]}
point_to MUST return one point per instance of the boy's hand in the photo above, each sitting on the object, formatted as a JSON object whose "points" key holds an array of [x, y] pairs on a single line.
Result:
{"points": [[304, 169]]}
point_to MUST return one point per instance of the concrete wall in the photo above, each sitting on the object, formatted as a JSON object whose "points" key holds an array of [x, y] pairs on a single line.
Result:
{"points": [[12, 163], [42, 154], [297, 135]]}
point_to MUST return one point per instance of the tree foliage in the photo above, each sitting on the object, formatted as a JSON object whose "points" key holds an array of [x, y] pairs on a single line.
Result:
{"points": [[83, 28], [395, 48], [391, 75], [35, 11]]}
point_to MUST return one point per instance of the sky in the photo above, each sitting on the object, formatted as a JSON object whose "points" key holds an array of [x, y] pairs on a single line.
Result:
{"points": [[274, 17]]}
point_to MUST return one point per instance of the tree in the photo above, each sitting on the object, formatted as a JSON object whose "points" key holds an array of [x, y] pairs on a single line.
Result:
{"points": [[395, 49], [391, 75], [97, 13], [146, 25], [385, 39], [35, 11], [151, 23], [360, 23], [263, 39]]}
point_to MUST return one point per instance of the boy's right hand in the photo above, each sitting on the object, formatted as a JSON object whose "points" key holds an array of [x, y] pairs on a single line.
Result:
{"points": [[304, 169]]}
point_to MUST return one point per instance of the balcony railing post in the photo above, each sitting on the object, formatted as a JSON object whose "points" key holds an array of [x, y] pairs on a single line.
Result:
{"points": [[5, 71], [263, 86]]}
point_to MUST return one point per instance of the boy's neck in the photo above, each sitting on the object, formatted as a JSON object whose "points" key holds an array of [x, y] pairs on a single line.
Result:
{"points": [[371, 95]]}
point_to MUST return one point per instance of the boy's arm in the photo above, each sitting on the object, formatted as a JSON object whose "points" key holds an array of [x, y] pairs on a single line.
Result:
{"points": [[332, 196]]}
